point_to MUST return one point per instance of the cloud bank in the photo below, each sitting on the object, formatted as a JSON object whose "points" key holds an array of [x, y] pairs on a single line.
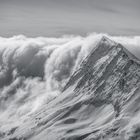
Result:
{"points": [[34, 70]]}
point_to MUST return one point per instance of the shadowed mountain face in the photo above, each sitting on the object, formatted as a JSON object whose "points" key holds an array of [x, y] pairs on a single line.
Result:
{"points": [[101, 101]]}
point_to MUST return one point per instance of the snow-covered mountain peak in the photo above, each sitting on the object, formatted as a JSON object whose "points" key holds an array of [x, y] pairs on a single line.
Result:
{"points": [[99, 102], [100, 95], [104, 52]]}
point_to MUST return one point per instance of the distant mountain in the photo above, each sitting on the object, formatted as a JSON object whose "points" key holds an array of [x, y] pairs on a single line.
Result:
{"points": [[101, 101]]}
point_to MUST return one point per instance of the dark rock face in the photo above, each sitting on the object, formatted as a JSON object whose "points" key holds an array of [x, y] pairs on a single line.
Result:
{"points": [[100, 101]]}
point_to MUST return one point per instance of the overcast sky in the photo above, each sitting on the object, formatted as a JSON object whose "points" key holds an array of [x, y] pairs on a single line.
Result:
{"points": [[58, 17]]}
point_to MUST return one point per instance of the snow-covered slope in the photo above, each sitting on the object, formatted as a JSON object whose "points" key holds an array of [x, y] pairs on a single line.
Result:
{"points": [[100, 101]]}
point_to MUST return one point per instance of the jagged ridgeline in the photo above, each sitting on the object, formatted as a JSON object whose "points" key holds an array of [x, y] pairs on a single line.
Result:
{"points": [[101, 101]]}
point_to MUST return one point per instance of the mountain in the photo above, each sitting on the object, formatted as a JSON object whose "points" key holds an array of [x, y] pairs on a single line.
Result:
{"points": [[101, 101]]}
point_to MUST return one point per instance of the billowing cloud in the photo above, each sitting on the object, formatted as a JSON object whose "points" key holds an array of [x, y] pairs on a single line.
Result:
{"points": [[34, 70]]}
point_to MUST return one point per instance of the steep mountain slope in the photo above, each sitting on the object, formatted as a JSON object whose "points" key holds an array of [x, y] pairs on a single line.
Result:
{"points": [[100, 101]]}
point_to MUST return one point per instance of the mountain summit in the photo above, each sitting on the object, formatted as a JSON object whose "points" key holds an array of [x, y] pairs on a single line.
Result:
{"points": [[101, 101]]}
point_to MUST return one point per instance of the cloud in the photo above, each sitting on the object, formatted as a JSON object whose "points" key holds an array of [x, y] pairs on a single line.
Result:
{"points": [[34, 70]]}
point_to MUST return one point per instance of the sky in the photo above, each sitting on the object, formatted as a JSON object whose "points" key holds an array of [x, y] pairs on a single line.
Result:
{"points": [[61, 17]]}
